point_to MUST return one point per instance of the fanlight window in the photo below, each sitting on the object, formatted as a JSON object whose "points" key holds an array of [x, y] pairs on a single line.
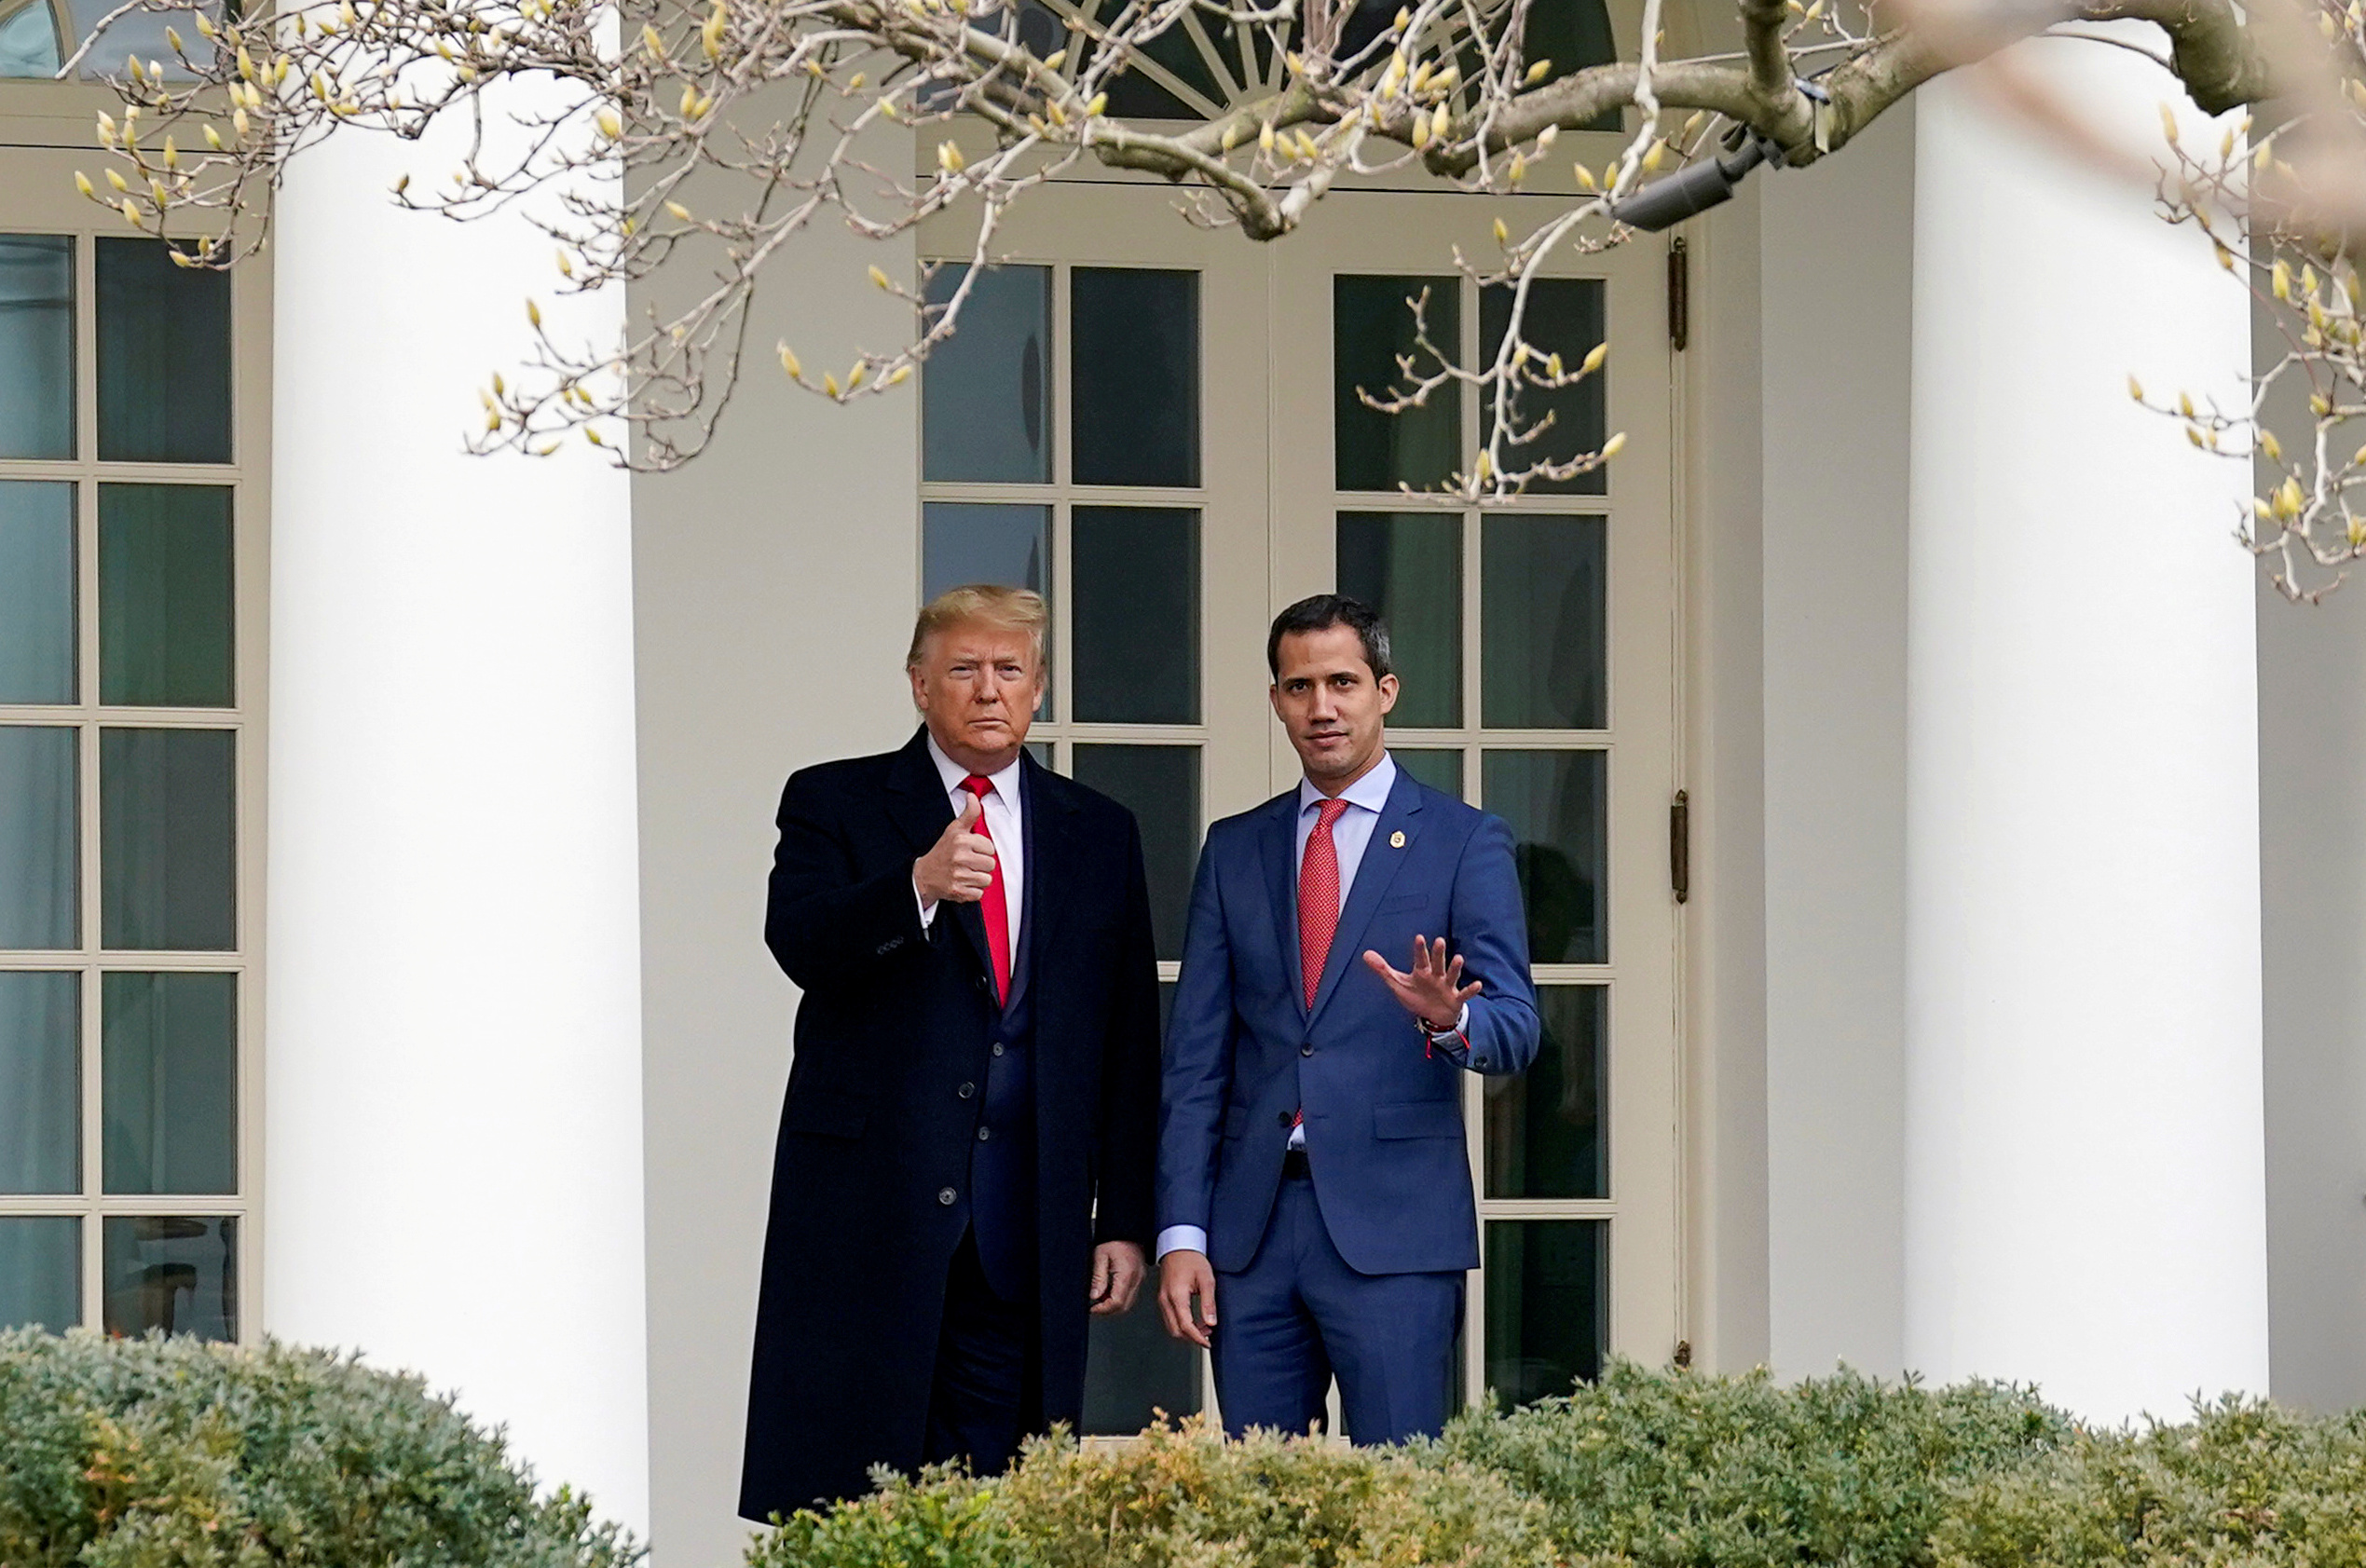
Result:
{"points": [[1203, 65], [32, 39]]}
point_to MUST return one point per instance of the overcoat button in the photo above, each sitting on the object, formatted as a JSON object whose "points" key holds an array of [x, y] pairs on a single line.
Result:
{"points": [[998, 1047], [945, 1197], [966, 1090], [1307, 1049], [985, 1133]]}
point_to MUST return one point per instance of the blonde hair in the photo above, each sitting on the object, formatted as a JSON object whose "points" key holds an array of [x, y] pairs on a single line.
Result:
{"points": [[1019, 609]]}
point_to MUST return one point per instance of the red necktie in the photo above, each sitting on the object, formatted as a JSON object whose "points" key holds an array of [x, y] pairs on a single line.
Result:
{"points": [[997, 913], [1318, 897]]}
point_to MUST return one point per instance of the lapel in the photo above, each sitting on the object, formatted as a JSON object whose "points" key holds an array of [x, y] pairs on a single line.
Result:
{"points": [[1277, 848], [917, 803], [1373, 875], [1043, 809]]}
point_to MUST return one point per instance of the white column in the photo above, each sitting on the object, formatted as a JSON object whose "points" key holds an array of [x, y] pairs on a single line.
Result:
{"points": [[452, 1179], [2086, 1202]]}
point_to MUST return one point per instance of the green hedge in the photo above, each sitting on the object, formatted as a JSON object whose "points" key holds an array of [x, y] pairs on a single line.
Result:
{"points": [[170, 1454]]}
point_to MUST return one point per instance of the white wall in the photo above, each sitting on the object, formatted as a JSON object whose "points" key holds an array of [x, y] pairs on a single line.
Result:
{"points": [[775, 580], [1837, 293]]}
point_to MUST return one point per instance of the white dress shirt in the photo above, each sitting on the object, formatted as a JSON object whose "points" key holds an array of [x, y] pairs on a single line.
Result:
{"points": [[1003, 825]]}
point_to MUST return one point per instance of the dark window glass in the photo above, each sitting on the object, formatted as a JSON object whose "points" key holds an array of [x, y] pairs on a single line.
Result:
{"points": [[1564, 317], [37, 590], [1544, 623], [1556, 804], [169, 1082], [1136, 94], [1408, 565], [1572, 35], [1160, 785], [166, 856], [36, 319], [177, 1273], [982, 541], [1373, 327], [1134, 376], [1548, 1306], [1441, 771], [40, 1083], [164, 357], [1133, 1371], [164, 597], [40, 1272], [1544, 1127], [1136, 575], [985, 405], [40, 881]]}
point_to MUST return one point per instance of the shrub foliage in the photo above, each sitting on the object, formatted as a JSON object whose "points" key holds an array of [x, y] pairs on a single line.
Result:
{"points": [[171, 1454]]}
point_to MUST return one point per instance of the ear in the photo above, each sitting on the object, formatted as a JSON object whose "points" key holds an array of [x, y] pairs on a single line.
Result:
{"points": [[919, 689], [1273, 695], [1388, 685]]}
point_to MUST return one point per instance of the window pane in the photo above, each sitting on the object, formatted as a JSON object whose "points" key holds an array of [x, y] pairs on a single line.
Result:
{"points": [[1555, 802], [29, 46], [1160, 785], [970, 541], [40, 887], [167, 871], [1136, 571], [1133, 1371], [164, 357], [169, 1082], [141, 33], [1544, 1127], [1441, 771], [1548, 1296], [1543, 604], [40, 1083], [37, 321], [1408, 565], [1135, 95], [1134, 376], [1564, 318], [36, 588], [177, 1273], [985, 393], [40, 1272], [165, 595], [1371, 327]]}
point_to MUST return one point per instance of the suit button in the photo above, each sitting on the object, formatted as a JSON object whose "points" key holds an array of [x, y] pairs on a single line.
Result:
{"points": [[966, 1090], [998, 1047], [945, 1195], [1307, 1049], [985, 984], [985, 1133], [1282, 1117]]}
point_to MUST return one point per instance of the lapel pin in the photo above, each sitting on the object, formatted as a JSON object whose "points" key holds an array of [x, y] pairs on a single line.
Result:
{"points": [[1397, 839]]}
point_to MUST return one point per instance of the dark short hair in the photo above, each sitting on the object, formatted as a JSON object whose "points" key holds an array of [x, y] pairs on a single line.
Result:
{"points": [[1319, 612]]}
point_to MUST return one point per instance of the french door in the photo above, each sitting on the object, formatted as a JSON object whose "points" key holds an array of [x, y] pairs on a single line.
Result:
{"points": [[1160, 426]]}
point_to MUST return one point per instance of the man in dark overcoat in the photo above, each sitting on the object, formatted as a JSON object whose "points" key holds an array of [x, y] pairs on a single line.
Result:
{"points": [[965, 1158]]}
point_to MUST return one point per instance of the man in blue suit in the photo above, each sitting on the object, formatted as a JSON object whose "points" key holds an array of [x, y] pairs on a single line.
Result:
{"points": [[1312, 1178]]}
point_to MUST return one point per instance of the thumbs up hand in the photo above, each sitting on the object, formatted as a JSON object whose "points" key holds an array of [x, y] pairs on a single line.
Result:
{"points": [[959, 864]]}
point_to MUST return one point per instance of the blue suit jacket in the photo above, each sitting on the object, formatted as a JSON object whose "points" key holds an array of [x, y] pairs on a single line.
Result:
{"points": [[1384, 1116]]}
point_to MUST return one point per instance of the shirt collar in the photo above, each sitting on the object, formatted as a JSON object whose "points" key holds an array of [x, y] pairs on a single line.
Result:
{"points": [[1371, 792], [1005, 782]]}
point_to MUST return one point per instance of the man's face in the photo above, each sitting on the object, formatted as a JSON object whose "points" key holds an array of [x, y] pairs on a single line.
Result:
{"points": [[976, 686], [1326, 697]]}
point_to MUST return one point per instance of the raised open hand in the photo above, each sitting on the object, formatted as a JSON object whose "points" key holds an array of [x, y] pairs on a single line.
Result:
{"points": [[1431, 990], [960, 865]]}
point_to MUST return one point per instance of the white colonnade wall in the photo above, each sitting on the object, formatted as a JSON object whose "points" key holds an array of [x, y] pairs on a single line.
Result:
{"points": [[2086, 1200], [452, 1177]]}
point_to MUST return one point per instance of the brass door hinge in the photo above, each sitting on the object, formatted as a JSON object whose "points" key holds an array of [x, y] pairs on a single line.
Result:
{"points": [[1679, 294], [1680, 845]]}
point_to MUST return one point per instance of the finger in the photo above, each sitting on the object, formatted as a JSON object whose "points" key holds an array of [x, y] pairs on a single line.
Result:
{"points": [[1467, 993], [1207, 1287], [971, 809], [1453, 971], [1379, 966], [1440, 959], [1101, 1276], [977, 843]]}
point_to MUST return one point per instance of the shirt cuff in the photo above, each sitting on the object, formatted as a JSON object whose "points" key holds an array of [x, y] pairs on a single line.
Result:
{"points": [[1462, 1025], [928, 917], [1182, 1238]]}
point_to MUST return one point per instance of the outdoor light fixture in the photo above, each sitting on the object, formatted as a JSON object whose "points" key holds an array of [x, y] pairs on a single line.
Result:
{"points": [[1664, 203]]}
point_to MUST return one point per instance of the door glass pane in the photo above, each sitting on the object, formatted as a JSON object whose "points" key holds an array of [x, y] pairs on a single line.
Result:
{"points": [[169, 1082], [1134, 376], [1136, 95], [167, 867], [1543, 604], [1564, 318], [37, 326], [1441, 771], [40, 1082], [139, 33], [1408, 565], [40, 1272], [985, 392], [164, 357], [963, 542], [40, 886], [1544, 1127], [29, 48], [1548, 1299], [1136, 575], [1160, 785], [1133, 1371], [165, 594], [1556, 804], [36, 588], [1372, 328], [176, 1273]]}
